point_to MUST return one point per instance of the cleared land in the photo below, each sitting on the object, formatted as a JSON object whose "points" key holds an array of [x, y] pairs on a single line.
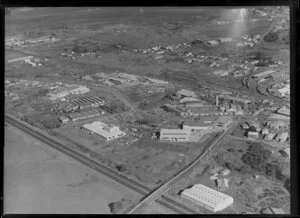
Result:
{"points": [[39, 180]]}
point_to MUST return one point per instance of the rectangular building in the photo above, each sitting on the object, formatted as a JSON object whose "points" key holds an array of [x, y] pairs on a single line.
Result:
{"points": [[269, 137], [176, 135], [263, 74], [87, 102], [253, 135], [109, 132], [282, 137], [186, 93], [284, 111], [84, 115], [207, 197]]}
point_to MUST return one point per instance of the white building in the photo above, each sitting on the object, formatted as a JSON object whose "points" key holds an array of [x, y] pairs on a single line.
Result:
{"points": [[73, 89], [189, 99], [207, 197], [213, 42], [196, 126], [264, 131], [282, 137], [269, 137], [284, 111], [177, 135], [186, 93], [252, 135], [20, 59], [110, 132]]}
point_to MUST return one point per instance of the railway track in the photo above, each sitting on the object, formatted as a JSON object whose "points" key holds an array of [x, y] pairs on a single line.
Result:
{"points": [[100, 168]]}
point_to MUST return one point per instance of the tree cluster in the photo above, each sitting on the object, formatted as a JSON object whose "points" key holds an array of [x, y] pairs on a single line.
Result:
{"points": [[271, 37]]}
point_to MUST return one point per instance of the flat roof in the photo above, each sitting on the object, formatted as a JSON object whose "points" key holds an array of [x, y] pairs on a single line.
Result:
{"points": [[265, 73], [186, 92], [174, 131]]}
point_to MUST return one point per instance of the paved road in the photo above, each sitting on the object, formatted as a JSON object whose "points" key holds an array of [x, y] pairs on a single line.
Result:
{"points": [[162, 189]]}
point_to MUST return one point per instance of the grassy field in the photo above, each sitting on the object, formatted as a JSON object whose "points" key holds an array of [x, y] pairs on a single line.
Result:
{"points": [[39, 180]]}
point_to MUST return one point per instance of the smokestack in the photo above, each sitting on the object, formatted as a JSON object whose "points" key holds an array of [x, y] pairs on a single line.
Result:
{"points": [[217, 100]]}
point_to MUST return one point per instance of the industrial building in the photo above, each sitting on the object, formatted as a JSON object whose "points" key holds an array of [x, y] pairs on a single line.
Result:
{"points": [[190, 125], [186, 93], [286, 152], [84, 115], [20, 59], [284, 111], [189, 99], [207, 197], [269, 137], [213, 42], [282, 137], [252, 135], [177, 135], [87, 102], [109, 132], [226, 39], [176, 110], [228, 97], [263, 74], [71, 89], [191, 104]]}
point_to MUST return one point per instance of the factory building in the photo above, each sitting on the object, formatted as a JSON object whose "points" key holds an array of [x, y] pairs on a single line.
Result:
{"points": [[189, 99], [252, 135], [284, 111], [207, 197], [176, 110], [213, 42], [186, 93], [84, 115], [177, 135], [269, 137], [109, 132], [236, 99], [72, 89], [87, 102], [263, 74], [282, 137], [20, 59], [189, 125], [192, 104]]}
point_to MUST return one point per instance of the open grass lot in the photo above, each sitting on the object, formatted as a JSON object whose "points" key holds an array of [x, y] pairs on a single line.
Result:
{"points": [[39, 180]]}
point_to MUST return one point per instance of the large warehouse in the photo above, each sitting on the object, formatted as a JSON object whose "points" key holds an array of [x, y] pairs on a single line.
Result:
{"points": [[207, 197], [110, 132], [180, 135]]}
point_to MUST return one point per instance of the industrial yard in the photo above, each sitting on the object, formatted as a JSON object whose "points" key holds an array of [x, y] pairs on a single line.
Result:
{"points": [[160, 106]]}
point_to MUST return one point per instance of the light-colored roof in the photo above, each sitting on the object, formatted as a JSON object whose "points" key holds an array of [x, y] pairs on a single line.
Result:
{"points": [[186, 92], [189, 99], [278, 117], [284, 110], [174, 131], [100, 128], [265, 73], [207, 196], [277, 210]]}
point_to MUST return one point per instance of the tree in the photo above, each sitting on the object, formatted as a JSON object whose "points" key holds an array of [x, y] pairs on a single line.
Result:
{"points": [[271, 37], [115, 207]]}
